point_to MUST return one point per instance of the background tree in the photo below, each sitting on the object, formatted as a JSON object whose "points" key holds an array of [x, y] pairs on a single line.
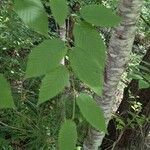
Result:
{"points": [[120, 46]]}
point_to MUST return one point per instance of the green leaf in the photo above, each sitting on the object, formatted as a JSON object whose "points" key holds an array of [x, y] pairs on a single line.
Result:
{"points": [[88, 57], [91, 112], [67, 136], [87, 38], [135, 76], [87, 70], [99, 15], [6, 100], [59, 10], [53, 83], [147, 76], [143, 84], [143, 68], [45, 57], [33, 14]]}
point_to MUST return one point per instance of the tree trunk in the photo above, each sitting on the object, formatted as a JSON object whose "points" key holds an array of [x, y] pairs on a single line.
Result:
{"points": [[120, 46], [130, 138]]}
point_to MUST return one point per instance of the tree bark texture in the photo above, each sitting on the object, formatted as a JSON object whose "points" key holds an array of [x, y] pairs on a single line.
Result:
{"points": [[132, 138], [120, 46]]}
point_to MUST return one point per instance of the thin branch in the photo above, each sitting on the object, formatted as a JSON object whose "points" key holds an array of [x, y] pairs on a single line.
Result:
{"points": [[146, 21]]}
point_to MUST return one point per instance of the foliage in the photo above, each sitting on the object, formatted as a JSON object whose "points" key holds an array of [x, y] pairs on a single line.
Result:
{"points": [[53, 83], [13, 33], [135, 119], [85, 104], [144, 23], [31, 128], [6, 99], [45, 52], [59, 7], [142, 74], [36, 9], [67, 136], [44, 78], [91, 13], [43, 61], [88, 57]]}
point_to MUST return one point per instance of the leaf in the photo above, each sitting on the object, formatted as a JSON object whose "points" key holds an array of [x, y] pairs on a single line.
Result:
{"points": [[6, 100], [88, 71], [91, 112], [143, 68], [88, 57], [45, 57], [87, 38], [135, 76], [147, 76], [53, 83], [143, 84], [59, 10], [99, 16], [33, 14], [67, 136]]}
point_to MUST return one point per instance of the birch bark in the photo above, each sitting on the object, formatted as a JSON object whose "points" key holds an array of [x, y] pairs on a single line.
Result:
{"points": [[120, 46]]}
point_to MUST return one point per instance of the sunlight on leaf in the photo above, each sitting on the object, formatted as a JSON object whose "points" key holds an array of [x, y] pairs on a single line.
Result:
{"points": [[33, 15]]}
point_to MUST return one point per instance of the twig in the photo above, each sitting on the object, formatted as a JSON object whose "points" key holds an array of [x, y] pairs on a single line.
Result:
{"points": [[147, 22]]}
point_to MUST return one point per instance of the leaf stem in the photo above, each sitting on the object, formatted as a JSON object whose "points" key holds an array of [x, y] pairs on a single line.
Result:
{"points": [[74, 108], [74, 97]]}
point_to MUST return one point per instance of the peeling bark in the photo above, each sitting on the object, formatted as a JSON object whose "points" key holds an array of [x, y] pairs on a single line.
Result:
{"points": [[120, 46], [62, 35], [62, 32]]}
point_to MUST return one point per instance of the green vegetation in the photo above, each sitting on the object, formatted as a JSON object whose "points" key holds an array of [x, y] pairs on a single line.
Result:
{"points": [[42, 105]]}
